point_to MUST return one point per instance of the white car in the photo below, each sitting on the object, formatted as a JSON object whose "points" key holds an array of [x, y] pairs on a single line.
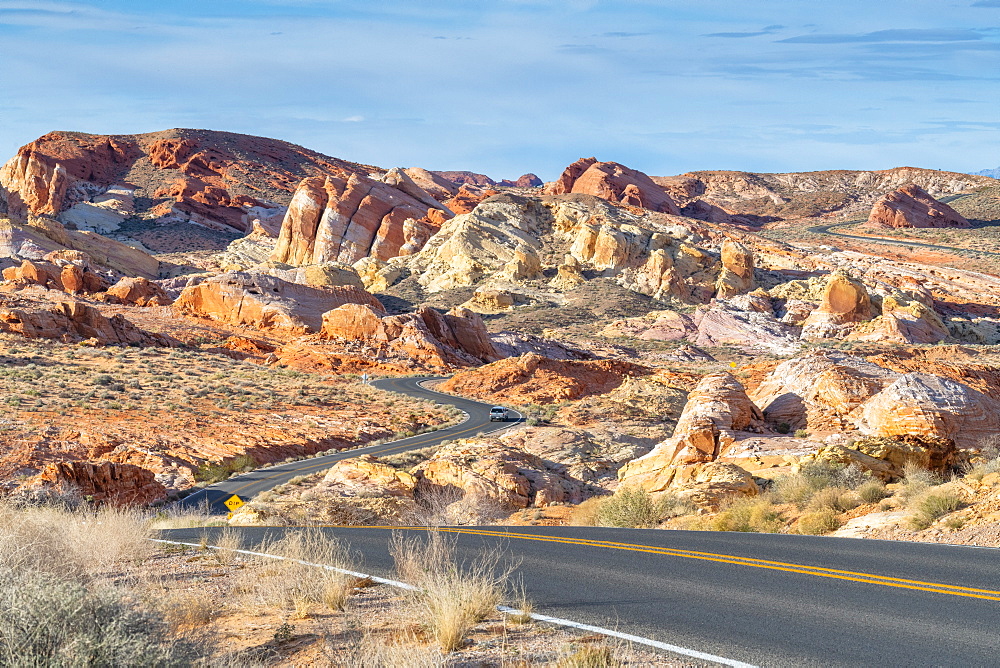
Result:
{"points": [[498, 414]]}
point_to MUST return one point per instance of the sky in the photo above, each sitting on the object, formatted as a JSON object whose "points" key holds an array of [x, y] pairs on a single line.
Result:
{"points": [[505, 87]]}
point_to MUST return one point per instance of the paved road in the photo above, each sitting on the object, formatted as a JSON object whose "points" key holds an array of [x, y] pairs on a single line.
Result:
{"points": [[774, 600], [825, 229], [248, 485]]}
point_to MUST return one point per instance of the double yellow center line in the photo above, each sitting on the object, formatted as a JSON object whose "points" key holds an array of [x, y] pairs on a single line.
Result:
{"points": [[817, 571]]}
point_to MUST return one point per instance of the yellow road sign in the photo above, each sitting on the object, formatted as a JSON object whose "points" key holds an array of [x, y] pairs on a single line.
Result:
{"points": [[233, 502]]}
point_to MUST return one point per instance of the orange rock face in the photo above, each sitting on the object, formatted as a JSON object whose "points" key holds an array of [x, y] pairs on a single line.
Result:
{"points": [[911, 206], [102, 482], [468, 198], [344, 219], [535, 379], [613, 182], [266, 302]]}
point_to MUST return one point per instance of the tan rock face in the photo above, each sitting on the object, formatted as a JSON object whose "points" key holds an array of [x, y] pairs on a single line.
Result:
{"points": [[346, 219], [532, 378], [367, 476], [613, 182], [139, 291], [509, 477], [737, 270], [456, 338], [267, 302], [887, 457], [103, 482], [715, 410], [911, 206], [845, 301]]}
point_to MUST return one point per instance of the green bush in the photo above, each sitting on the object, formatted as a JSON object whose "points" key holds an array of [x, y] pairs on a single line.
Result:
{"points": [[748, 514], [634, 508], [46, 621]]}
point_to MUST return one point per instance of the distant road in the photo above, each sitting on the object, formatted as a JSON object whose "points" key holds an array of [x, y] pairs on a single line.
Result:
{"points": [[825, 229], [764, 599], [248, 485]]}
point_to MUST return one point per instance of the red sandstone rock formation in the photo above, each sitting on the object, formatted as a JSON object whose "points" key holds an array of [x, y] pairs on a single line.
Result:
{"points": [[613, 182], [346, 219], [67, 277], [471, 178], [71, 322], [101, 482], [468, 198], [911, 206], [210, 177], [524, 181], [532, 378]]}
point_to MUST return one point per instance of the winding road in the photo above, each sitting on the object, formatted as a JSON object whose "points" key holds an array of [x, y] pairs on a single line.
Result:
{"points": [[825, 229], [763, 599], [248, 485]]}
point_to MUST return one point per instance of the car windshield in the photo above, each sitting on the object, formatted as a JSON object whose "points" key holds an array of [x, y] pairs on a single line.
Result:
{"points": [[497, 409]]}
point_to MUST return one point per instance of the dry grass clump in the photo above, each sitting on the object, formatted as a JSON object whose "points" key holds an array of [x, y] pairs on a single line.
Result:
{"points": [[295, 584], [634, 507], [837, 499], [755, 514], [872, 491], [454, 596], [74, 543], [589, 656], [800, 488], [59, 604], [818, 522]]}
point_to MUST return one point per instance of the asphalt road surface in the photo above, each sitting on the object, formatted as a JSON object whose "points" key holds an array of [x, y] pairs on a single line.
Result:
{"points": [[825, 229], [248, 485], [765, 599]]}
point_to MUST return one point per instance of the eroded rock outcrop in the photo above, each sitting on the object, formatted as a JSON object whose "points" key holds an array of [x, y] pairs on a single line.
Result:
{"points": [[455, 338], [615, 183], [101, 482], [71, 322], [532, 378], [912, 206], [139, 291], [344, 219], [65, 276], [508, 477], [267, 302], [715, 410], [737, 270], [845, 301]]}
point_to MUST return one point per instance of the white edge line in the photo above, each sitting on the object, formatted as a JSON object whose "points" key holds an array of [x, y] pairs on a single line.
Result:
{"points": [[676, 649]]}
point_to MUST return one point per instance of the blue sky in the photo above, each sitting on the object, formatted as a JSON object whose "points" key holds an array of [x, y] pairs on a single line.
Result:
{"points": [[510, 86]]}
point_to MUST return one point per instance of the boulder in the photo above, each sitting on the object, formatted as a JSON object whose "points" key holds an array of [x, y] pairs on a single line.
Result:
{"points": [[613, 182], [845, 301], [267, 302], [366, 476], [902, 321], [65, 276], [887, 458], [912, 206], [139, 291]]}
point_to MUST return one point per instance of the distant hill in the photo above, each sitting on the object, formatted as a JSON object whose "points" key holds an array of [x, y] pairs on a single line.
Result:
{"points": [[992, 173]]}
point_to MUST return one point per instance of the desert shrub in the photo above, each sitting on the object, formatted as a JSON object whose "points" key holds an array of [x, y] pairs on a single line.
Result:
{"points": [[799, 488], [783, 428], [916, 481], [872, 491], [933, 505], [748, 514], [817, 522], [217, 472], [837, 499], [454, 596], [48, 621], [449, 506], [634, 507]]}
